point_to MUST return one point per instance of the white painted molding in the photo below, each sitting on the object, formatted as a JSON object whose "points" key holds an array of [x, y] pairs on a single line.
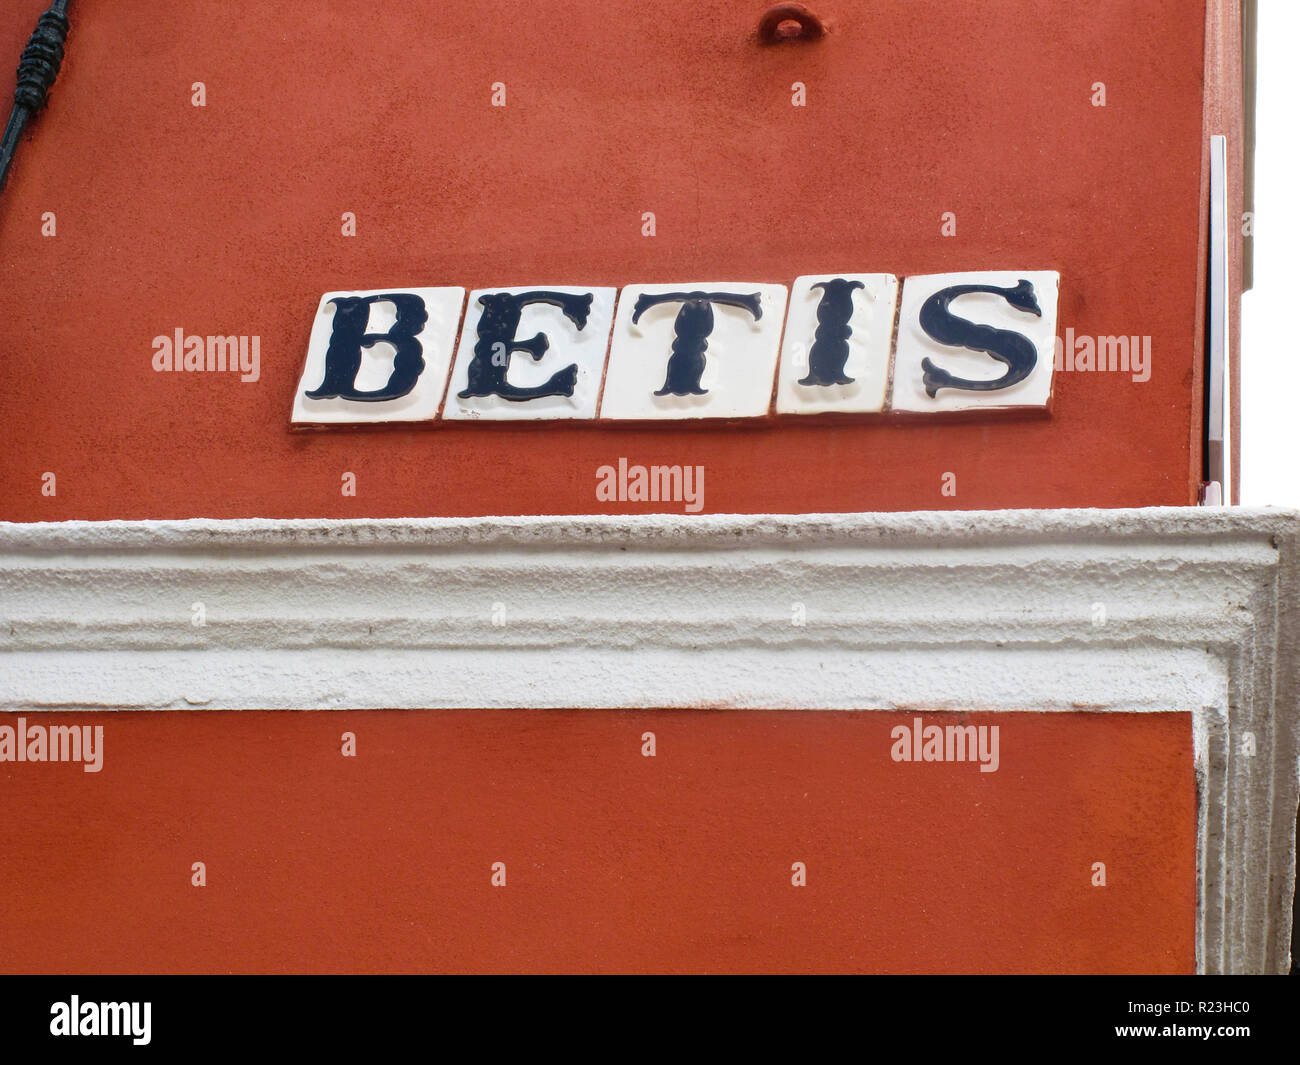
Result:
{"points": [[945, 610]]}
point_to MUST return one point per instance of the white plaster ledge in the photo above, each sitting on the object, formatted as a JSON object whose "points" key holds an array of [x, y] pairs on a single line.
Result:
{"points": [[1128, 610]]}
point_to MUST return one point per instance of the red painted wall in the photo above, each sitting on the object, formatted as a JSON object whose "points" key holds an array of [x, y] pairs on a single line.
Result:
{"points": [[614, 861], [225, 219]]}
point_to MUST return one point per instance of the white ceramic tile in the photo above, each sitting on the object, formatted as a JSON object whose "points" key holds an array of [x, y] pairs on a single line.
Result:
{"points": [[569, 346], [739, 361], [436, 340], [810, 379], [991, 310]]}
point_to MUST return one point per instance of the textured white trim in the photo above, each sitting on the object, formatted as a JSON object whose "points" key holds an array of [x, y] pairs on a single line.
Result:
{"points": [[944, 610]]}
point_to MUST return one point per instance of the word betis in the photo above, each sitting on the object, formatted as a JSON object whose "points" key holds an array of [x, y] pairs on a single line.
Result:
{"points": [[834, 344]]}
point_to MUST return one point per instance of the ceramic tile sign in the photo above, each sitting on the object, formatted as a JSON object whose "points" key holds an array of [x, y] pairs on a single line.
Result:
{"points": [[975, 340], [839, 334], [531, 353], [854, 344], [706, 350], [378, 355]]}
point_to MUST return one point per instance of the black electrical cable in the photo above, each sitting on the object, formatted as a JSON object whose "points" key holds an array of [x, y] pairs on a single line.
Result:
{"points": [[36, 73]]}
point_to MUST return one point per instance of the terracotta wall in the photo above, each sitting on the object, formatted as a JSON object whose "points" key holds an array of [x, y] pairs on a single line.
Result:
{"points": [[613, 861], [226, 220]]}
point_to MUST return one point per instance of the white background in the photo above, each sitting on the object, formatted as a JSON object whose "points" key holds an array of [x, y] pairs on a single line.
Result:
{"points": [[1270, 358]]}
